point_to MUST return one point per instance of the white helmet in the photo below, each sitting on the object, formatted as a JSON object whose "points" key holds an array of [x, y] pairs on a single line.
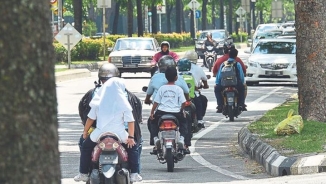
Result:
{"points": [[192, 56]]}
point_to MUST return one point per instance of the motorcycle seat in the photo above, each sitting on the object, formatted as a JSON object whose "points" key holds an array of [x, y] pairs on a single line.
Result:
{"points": [[169, 117]]}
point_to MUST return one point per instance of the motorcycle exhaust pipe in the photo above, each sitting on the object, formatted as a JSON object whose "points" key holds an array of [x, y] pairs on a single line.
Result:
{"points": [[122, 176], [179, 156]]}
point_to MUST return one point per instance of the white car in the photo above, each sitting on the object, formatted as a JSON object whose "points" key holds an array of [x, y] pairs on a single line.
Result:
{"points": [[134, 54], [272, 60]]}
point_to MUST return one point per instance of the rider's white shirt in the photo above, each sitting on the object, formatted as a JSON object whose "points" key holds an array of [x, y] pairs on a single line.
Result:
{"points": [[116, 126], [170, 98], [198, 73]]}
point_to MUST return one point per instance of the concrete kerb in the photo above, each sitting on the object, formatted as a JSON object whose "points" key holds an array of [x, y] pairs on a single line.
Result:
{"points": [[72, 74], [276, 164]]}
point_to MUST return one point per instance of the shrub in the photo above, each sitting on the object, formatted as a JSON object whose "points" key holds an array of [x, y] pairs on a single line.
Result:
{"points": [[236, 37]]}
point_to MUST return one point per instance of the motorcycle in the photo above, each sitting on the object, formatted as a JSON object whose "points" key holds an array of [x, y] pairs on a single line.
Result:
{"points": [[111, 159], [168, 149], [230, 107], [210, 57]]}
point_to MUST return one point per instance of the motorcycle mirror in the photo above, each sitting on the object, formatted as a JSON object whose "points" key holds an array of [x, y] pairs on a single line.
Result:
{"points": [[144, 89], [208, 76], [189, 85]]}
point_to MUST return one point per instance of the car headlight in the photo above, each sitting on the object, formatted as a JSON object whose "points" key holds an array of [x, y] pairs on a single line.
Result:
{"points": [[252, 64], [294, 65], [115, 59], [146, 58]]}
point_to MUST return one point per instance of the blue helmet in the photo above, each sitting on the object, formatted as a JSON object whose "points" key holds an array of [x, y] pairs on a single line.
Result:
{"points": [[184, 65]]}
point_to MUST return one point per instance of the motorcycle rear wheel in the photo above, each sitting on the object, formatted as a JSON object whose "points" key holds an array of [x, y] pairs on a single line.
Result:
{"points": [[169, 160], [231, 112], [105, 180]]}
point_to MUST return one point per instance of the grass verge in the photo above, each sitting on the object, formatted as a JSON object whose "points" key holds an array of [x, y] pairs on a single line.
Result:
{"points": [[311, 140], [183, 49]]}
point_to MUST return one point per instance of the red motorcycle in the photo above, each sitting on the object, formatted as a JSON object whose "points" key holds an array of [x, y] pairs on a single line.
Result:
{"points": [[111, 159]]}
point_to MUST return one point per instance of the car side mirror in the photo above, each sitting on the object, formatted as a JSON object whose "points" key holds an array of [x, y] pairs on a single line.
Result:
{"points": [[208, 76], [144, 89], [110, 49], [195, 39]]}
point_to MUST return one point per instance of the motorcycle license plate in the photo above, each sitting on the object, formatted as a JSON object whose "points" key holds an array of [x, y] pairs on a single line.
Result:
{"points": [[273, 73], [168, 134], [109, 158]]}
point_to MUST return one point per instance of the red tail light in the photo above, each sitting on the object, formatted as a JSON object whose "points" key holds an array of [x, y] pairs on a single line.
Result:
{"points": [[188, 103], [168, 125], [230, 89], [109, 60]]}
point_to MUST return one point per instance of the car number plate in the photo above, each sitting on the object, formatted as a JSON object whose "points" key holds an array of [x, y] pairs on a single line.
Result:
{"points": [[276, 73], [130, 65]]}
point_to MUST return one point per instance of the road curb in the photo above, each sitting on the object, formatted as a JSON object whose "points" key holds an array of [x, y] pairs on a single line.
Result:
{"points": [[72, 74], [274, 163]]}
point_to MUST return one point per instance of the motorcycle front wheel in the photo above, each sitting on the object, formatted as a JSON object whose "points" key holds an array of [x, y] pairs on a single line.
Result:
{"points": [[210, 65], [231, 112], [169, 160]]}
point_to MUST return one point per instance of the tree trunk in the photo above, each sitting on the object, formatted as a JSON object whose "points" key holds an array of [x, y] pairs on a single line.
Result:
{"points": [[183, 29], [116, 18], [230, 29], [29, 126], [130, 18], [91, 12], [178, 16], [154, 18], [192, 25], [213, 15], [204, 16], [168, 17], [222, 14], [140, 18], [78, 15], [310, 27]]}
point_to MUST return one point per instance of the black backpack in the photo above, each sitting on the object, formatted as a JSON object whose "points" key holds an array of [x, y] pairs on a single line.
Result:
{"points": [[229, 74], [84, 108]]}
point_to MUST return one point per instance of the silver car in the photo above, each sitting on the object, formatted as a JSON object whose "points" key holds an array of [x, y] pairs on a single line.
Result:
{"points": [[134, 54]]}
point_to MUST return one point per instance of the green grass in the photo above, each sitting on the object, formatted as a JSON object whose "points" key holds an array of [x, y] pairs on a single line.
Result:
{"points": [[312, 138], [183, 49]]}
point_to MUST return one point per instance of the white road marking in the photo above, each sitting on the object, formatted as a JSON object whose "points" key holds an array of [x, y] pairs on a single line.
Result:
{"points": [[198, 158]]}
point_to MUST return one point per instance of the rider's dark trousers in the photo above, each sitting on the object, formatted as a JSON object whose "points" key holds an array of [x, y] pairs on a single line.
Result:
{"points": [[218, 94], [179, 116], [201, 106]]}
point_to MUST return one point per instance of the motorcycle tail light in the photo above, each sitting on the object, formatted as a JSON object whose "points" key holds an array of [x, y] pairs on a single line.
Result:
{"points": [[168, 125], [229, 89], [188, 103]]}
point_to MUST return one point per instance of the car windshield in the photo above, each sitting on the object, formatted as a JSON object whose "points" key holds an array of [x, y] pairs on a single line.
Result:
{"points": [[264, 28], [275, 48], [133, 44], [216, 35]]}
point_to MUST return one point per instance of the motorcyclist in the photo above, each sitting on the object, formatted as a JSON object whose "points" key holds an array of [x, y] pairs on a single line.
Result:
{"points": [[240, 84], [106, 72], [200, 100], [165, 50], [208, 42], [226, 49], [159, 80]]}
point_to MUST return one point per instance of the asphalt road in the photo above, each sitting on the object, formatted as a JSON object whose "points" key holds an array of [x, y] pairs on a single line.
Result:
{"points": [[215, 156]]}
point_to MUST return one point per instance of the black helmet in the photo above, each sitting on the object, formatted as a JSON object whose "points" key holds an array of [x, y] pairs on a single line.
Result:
{"points": [[164, 62], [227, 47], [107, 71], [165, 43]]}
